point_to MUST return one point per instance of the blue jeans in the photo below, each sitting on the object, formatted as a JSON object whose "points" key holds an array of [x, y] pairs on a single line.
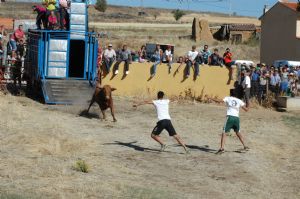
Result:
{"points": [[108, 63], [156, 62], [13, 44], [189, 64]]}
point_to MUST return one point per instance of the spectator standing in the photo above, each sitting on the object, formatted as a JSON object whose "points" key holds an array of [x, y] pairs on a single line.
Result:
{"points": [[227, 56], [41, 16], [192, 56], [52, 21], [63, 15], [215, 59], [255, 82], [168, 57], [142, 54], [157, 58], [247, 86], [50, 6], [17, 37], [124, 55], [1, 51], [284, 81], [4, 41], [275, 82], [109, 57], [262, 87], [205, 53]]}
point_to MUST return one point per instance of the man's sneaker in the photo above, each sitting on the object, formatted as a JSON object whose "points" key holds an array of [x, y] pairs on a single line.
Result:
{"points": [[127, 72], [187, 151], [187, 76], [116, 72], [163, 147]]}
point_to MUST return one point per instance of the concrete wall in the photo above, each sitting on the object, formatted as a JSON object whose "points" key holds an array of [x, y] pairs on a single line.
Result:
{"points": [[278, 37], [212, 79]]}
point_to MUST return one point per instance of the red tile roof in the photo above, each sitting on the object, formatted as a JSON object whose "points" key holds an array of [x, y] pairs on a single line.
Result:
{"points": [[291, 5]]}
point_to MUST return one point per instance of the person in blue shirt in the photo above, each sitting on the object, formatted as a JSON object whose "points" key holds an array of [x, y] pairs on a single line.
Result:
{"points": [[255, 75], [205, 54], [275, 81]]}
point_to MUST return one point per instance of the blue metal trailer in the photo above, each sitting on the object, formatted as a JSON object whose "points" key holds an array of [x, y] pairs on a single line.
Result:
{"points": [[63, 63]]}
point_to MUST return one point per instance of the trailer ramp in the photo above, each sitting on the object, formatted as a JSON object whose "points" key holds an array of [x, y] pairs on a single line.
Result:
{"points": [[61, 91]]}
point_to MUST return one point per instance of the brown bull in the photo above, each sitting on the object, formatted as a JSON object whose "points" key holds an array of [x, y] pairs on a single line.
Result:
{"points": [[103, 97]]}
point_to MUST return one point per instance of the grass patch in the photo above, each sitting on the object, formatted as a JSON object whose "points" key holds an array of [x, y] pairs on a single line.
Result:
{"points": [[292, 121], [81, 166]]}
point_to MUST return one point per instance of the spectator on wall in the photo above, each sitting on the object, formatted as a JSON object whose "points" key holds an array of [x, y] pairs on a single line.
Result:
{"points": [[228, 62], [205, 54], [63, 14], [123, 55], [168, 57], [192, 60], [109, 57], [52, 21], [142, 54], [215, 59], [156, 58]]}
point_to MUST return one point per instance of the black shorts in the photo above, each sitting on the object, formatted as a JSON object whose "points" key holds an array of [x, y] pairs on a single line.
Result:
{"points": [[164, 124]]}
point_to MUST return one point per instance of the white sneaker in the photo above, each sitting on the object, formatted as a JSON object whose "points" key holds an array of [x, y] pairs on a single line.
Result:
{"points": [[127, 72], [116, 72]]}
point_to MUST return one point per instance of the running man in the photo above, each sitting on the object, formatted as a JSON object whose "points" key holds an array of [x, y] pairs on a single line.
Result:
{"points": [[164, 121], [232, 120]]}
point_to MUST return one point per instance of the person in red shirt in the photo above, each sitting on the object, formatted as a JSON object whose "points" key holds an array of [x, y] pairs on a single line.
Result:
{"points": [[41, 16], [52, 21], [17, 37], [228, 63]]}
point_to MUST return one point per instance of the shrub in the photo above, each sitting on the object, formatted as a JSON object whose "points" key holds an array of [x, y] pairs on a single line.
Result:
{"points": [[101, 5], [178, 14], [81, 166]]}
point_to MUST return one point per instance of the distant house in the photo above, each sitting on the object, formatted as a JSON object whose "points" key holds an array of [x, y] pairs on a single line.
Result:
{"points": [[280, 34]]}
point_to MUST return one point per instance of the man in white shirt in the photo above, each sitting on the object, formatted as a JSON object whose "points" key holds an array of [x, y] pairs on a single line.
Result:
{"points": [[164, 120], [233, 105], [247, 87], [109, 57], [192, 56]]}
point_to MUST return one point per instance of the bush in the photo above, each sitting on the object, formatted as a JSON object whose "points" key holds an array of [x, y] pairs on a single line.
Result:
{"points": [[81, 166], [178, 14], [101, 5]]}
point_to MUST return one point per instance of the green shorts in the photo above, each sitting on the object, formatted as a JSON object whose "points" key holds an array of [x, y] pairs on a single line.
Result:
{"points": [[232, 122]]}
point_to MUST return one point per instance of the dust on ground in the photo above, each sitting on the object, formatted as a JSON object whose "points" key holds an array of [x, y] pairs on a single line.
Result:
{"points": [[39, 144]]}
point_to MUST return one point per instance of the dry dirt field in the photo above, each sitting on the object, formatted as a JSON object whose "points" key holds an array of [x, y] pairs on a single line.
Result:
{"points": [[39, 144]]}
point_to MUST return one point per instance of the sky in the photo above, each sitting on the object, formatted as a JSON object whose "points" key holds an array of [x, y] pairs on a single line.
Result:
{"points": [[252, 8]]}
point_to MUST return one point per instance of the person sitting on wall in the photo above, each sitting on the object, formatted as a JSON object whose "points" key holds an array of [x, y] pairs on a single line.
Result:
{"points": [[17, 37], [52, 21], [142, 54], [205, 53], [109, 57], [156, 58], [168, 57], [192, 59], [41, 16], [215, 59], [123, 55], [227, 57]]}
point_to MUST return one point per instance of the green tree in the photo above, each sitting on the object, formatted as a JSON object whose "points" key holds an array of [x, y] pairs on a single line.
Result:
{"points": [[101, 5], [178, 14]]}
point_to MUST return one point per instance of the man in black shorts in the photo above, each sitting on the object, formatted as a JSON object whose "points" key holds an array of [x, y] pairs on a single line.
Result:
{"points": [[164, 120]]}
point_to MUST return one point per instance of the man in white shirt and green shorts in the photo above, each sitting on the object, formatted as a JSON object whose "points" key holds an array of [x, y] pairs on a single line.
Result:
{"points": [[232, 120], [164, 121]]}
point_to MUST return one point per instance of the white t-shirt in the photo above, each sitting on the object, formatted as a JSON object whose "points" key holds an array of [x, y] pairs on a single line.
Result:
{"points": [[192, 55], [162, 109], [109, 53], [168, 53], [247, 81], [233, 105]]}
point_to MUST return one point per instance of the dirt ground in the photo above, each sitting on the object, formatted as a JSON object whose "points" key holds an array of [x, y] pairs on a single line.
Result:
{"points": [[39, 144]]}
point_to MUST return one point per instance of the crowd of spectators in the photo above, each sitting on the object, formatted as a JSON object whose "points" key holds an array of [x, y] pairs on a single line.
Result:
{"points": [[258, 81]]}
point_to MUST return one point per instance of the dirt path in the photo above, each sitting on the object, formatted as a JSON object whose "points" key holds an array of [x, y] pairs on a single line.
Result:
{"points": [[39, 144]]}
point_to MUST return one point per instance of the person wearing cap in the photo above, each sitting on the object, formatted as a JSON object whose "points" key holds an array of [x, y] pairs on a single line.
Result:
{"points": [[109, 57], [123, 55], [247, 86], [255, 75]]}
